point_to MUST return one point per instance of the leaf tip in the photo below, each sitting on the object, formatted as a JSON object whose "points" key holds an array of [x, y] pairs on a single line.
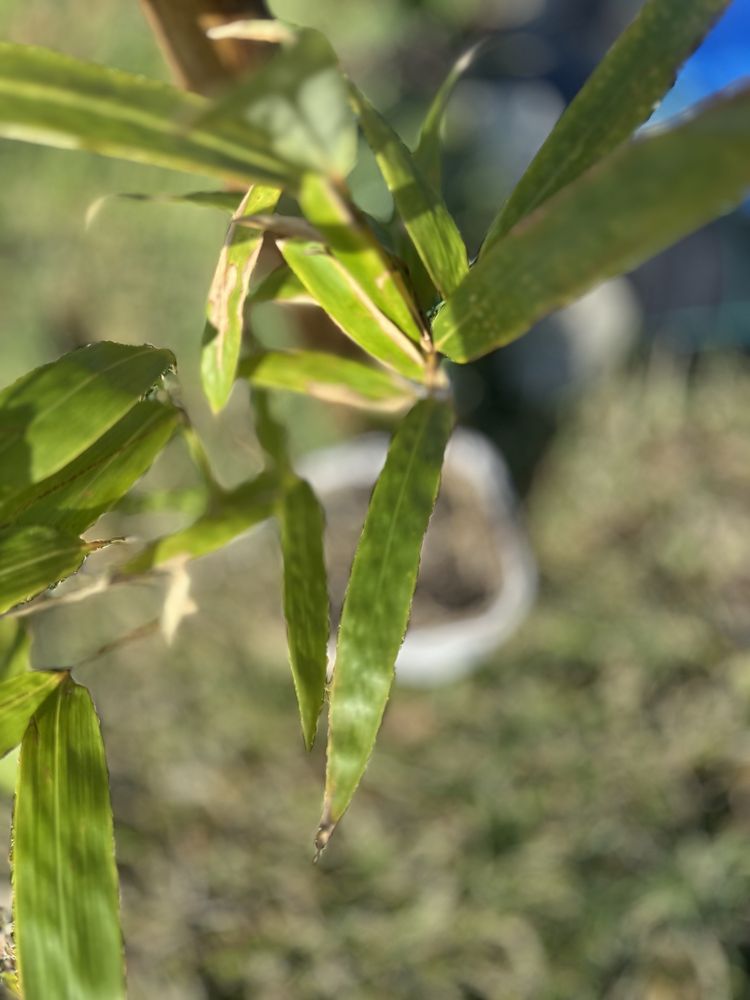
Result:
{"points": [[325, 832]]}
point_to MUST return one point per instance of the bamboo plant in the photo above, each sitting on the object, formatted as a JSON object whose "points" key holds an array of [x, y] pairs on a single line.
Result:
{"points": [[76, 434]]}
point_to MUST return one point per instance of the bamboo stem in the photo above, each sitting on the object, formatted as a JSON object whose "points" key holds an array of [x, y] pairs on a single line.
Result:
{"points": [[198, 62]]}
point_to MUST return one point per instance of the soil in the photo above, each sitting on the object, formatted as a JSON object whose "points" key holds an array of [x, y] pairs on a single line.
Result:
{"points": [[461, 570]]}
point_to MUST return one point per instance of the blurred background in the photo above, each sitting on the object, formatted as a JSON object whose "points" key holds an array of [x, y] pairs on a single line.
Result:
{"points": [[573, 819]]}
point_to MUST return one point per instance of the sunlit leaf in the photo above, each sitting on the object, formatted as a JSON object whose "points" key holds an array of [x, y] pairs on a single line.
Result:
{"points": [[348, 305], [65, 886], [634, 203], [299, 101], [378, 600], [54, 413], [34, 558], [20, 697], [78, 494], [327, 377], [15, 645], [222, 337], [428, 152], [55, 100], [352, 242], [433, 232], [229, 515], [306, 610], [619, 96]]}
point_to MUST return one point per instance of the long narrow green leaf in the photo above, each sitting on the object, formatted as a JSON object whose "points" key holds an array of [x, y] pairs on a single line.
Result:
{"points": [[65, 887], [299, 101], [53, 414], [15, 646], [78, 494], [34, 558], [230, 514], [428, 153], [348, 305], [52, 99], [20, 697], [352, 242], [434, 233], [636, 202], [222, 337], [378, 600], [306, 608], [327, 377], [618, 97]]}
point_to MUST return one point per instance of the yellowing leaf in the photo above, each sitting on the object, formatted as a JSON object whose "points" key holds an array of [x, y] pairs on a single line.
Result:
{"points": [[328, 377], [349, 306], [222, 337], [354, 245]]}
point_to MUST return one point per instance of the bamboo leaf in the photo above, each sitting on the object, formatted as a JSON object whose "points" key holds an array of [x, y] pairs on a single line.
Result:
{"points": [[299, 101], [222, 336], [353, 244], [618, 97], [54, 100], [15, 646], [65, 886], [327, 377], [54, 413], [432, 230], [34, 558], [230, 514], [282, 286], [74, 498], [301, 524], [347, 304], [634, 203], [428, 152], [20, 697], [378, 600]]}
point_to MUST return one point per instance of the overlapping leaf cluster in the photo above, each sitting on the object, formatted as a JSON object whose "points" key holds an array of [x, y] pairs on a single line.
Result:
{"points": [[76, 434]]}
